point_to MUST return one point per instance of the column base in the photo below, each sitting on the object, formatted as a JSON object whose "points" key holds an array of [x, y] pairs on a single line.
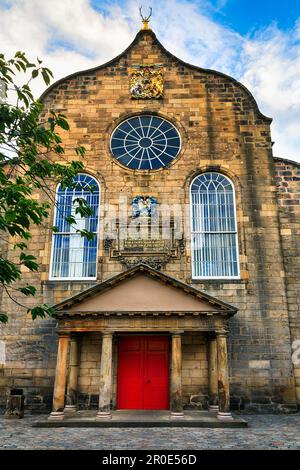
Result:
{"points": [[177, 415], [222, 416], [70, 408], [213, 408], [103, 415], [56, 416]]}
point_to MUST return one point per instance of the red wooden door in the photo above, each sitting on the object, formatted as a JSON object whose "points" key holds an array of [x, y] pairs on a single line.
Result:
{"points": [[143, 373]]}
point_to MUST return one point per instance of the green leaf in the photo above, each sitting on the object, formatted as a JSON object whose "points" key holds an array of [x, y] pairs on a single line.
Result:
{"points": [[63, 123], [9, 271], [31, 134], [46, 76], [20, 245], [3, 318], [80, 151], [86, 234], [70, 219], [28, 290], [29, 261], [41, 311]]}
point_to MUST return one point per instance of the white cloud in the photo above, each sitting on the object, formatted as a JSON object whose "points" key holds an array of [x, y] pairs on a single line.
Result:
{"points": [[190, 35], [70, 35], [270, 68], [67, 35]]}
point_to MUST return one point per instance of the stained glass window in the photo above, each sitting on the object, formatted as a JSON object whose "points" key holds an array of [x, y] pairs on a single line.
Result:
{"points": [[214, 229], [74, 256], [145, 143]]}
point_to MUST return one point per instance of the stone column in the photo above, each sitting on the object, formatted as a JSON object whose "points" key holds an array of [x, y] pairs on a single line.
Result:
{"points": [[105, 376], [213, 375], [60, 377], [176, 381], [74, 364], [223, 379]]}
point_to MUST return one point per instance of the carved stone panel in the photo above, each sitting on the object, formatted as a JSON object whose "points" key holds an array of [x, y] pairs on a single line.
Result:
{"points": [[146, 82], [144, 245]]}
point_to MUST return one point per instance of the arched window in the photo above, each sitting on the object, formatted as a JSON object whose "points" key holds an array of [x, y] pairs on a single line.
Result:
{"points": [[213, 226], [74, 256]]}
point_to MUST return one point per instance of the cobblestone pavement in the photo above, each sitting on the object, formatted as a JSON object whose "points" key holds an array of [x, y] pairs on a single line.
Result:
{"points": [[264, 432]]}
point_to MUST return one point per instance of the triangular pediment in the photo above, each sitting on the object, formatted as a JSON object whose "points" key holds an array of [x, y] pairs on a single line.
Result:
{"points": [[143, 289]]}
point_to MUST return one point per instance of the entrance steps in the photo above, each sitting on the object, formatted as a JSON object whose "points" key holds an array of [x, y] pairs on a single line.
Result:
{"points": [[142, 419]]}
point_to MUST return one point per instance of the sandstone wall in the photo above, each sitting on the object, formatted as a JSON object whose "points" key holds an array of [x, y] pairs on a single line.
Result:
{"points": [[288, 186]]}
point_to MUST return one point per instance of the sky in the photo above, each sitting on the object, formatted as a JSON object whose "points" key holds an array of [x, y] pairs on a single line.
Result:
{"points": [[255, 41]]}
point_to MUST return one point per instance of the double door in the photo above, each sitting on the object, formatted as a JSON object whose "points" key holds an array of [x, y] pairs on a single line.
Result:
{"points": [[143, 373]]}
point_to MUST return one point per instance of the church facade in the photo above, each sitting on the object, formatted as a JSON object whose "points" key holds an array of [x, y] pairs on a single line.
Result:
{"points": [[188, 294]]}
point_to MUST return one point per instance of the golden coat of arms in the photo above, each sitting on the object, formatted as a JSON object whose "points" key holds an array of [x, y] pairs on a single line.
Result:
{"points": [[146, 82]]}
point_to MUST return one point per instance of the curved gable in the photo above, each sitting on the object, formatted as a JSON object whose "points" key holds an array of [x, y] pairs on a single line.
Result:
{"points": [[206, 74]]}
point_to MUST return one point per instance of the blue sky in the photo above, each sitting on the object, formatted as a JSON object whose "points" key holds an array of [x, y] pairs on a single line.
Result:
{"points": [[243, 16], [257, 42], [247, 16]]}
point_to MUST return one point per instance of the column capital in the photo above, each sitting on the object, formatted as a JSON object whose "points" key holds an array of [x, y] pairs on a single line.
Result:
{"points": [[107, 333], [176, 332], [222, 334], [64, 334]]}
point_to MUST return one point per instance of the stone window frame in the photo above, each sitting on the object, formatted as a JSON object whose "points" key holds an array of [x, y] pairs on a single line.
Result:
{"points": [[137, 134], [151, 110], [236, 231], [52, 252]]}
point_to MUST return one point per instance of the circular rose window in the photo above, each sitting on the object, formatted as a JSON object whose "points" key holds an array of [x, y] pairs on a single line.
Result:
{"points": [[145, 143]]}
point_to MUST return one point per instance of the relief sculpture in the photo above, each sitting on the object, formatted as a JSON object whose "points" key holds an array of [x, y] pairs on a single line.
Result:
{"points": [[146, 82]]}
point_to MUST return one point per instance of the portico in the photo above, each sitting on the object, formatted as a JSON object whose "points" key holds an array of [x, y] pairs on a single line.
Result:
{"points": [[142, 303]]}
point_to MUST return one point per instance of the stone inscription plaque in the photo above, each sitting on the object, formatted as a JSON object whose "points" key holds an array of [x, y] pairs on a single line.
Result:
{"points": [[153, 245]]}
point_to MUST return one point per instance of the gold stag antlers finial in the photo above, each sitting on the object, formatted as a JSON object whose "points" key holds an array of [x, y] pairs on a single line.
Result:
{"points": [[145, 19]]}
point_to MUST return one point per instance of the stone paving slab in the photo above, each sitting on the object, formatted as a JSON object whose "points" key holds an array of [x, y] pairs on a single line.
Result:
{"points": [[263, 432], [141, 419]]}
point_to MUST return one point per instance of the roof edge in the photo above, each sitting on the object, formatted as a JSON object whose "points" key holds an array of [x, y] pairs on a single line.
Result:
{"points": [[194, 67], [93, 69], [286, 160]]}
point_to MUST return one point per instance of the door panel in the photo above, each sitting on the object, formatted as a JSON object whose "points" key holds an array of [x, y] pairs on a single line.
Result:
{"points": [[143, 373], [156, 372], [130, 373]]}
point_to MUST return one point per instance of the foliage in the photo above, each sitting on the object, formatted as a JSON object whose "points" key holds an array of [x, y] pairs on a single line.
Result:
{"points": [[31, 161]]}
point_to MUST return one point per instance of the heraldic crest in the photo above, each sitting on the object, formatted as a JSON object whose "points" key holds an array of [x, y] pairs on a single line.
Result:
{"points": [[146, 82], [144, 206]]}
